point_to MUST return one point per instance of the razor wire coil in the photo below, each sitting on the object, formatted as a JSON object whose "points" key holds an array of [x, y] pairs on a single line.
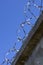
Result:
{"points": [[26, 22]]}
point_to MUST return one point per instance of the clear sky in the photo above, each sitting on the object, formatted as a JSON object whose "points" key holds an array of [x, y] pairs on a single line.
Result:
{"points": [[11, 15]]}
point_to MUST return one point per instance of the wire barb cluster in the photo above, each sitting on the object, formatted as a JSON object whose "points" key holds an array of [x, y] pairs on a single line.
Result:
{"points": [[13, 50]]}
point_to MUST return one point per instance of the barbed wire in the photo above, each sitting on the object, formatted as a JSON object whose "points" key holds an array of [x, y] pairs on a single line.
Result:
{"points": [[13, 50]]}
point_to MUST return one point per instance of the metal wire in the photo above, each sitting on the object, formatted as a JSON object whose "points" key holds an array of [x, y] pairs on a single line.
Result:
{"points": [[19, 38]]}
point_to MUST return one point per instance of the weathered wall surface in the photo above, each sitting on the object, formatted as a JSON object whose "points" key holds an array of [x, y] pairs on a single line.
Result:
{"points": [[37, 56]]}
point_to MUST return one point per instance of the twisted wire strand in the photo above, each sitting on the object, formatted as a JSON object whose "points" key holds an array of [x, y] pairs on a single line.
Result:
{"points": [[19, 38]]}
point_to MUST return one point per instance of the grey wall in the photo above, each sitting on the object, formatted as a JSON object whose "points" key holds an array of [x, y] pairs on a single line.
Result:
{"points": [[37, 56]]}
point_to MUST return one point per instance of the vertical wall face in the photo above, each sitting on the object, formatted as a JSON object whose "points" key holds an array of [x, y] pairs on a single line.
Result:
{"points": [[37, 56]]}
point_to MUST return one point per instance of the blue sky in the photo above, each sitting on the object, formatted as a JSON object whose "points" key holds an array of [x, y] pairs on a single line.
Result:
{"points": [[11, 15]]}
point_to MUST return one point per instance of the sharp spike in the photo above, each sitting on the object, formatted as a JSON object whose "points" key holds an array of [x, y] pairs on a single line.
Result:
{"points": [[19, 39], [22, 24], [28, 23]]}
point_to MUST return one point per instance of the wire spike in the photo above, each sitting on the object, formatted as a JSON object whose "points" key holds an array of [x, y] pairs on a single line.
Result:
{"points": [[35, 5], [7, 53], [22, 24], [17, 50], [28, 23], [28, 4], [19, 39]]}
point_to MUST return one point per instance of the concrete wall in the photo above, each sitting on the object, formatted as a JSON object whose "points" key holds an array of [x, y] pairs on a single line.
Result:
{"points": [[37, 55]]}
